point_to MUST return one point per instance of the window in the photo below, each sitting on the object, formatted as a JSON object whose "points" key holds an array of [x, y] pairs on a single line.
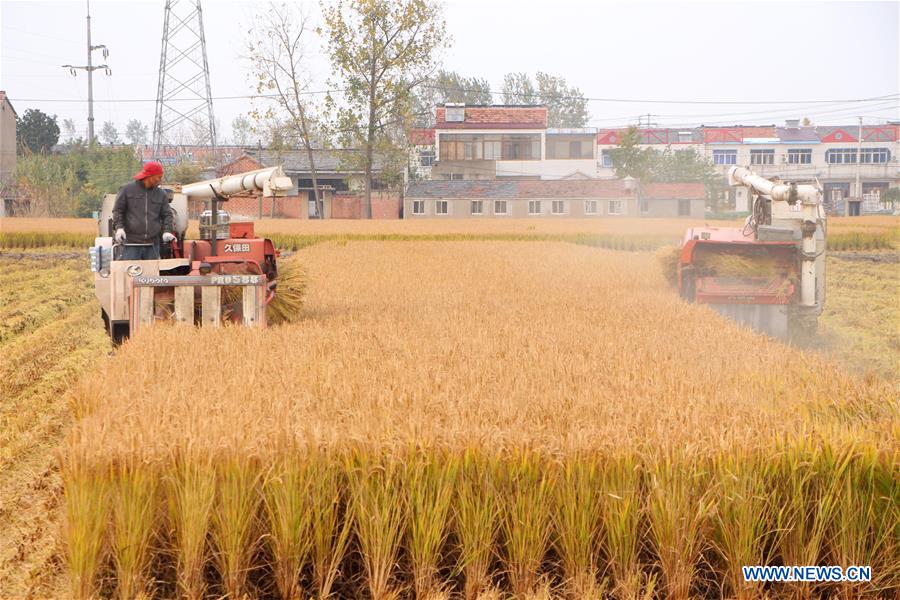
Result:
{"points": [[461, 147], [499, 207], [875, 155], [762, 157], [455, 176], [590, 207], [418, 207], [684, 208], [456, 114], [441, 207], [724, 157], [606, 158], [685, 136], [616, 207], [841, 156], [534, 207], [477, 207], [799, 156], [492, 148], [521, 147], [559, 207], [426, 158], [570, 146]]}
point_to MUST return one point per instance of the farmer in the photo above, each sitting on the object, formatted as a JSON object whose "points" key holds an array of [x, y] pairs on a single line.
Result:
{"points": [[141, 213]]}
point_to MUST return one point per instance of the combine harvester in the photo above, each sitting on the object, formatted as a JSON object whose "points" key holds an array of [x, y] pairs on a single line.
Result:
{"points": [[188, 281], [770, 274]]}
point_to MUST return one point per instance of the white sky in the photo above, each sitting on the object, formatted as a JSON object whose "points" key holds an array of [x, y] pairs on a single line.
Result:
{"points": [[676, 51]]}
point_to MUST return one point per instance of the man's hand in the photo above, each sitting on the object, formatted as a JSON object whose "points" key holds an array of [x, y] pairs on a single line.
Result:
{"points": [[120, 236], [168, 238]]}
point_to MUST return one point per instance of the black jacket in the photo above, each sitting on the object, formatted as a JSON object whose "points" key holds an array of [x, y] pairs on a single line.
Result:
{"points": [[143, 214]]}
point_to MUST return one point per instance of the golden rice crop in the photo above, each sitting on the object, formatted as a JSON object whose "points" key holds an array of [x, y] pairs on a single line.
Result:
{"points": [[448, 403]]}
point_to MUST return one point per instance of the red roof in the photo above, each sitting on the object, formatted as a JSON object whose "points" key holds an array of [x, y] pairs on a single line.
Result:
{"points": [[421, 137], [496, 117], [662, 191]]}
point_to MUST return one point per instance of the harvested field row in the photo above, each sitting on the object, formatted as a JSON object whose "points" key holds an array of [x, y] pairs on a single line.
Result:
{"points": [[551, 417], [41, 360]]}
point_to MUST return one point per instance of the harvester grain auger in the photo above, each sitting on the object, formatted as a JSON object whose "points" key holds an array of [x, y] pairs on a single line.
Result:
{"points": [[227, 274], [769, 274]]}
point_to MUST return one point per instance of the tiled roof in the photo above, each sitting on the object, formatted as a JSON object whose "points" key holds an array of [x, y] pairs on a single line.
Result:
{"points": [[498, 188], [331, 160], [421, 137], [661, 191], [496, 117]]}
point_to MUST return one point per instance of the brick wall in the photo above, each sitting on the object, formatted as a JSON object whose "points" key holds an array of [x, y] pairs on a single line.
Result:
{"points": [[247, 207], [385, 205]]}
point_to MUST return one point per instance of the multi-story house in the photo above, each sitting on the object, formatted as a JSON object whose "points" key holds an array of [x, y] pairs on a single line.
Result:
{"points": [[488, 142], [824, 153]]}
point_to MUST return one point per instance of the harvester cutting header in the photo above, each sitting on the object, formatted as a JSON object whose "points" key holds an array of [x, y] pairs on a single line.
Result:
{"points": [[191, 278], [770, 274]]}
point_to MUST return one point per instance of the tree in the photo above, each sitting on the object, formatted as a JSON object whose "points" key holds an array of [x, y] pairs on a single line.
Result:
{"points": [[630, 159], [806, 122], [37, 131], [566, 106], [448, 86], [381, 51], [891, 197], [518, 89], [649, 165], [241, 130], [277, 55], [109, 133], [136, 132], [69, 130]]}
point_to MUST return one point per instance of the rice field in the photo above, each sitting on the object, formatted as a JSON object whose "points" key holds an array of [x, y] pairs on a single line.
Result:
{"points": [[452, 415], [477, 420]]}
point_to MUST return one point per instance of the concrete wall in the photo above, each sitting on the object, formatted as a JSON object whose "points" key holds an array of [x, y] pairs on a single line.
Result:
{"points": [[668, 208], [7, 142], [517, 208]]}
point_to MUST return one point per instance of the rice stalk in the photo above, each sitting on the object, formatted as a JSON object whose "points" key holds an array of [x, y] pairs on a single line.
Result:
{"points": [[86, 496], [190, 495], [620, 522], [380, 517], [234, 520], [577, 523], [287, 496], [331, 525], [431, 478], [679, 507], [135, 519], [475, 518], [742, 519], [526, 523]]}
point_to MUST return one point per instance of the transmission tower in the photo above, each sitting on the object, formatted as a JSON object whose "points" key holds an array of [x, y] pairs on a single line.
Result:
{"points": [[183, 100]]}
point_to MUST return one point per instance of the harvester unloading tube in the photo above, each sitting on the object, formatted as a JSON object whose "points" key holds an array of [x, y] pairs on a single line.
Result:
{"points": [[272, 181], [809, 198]]}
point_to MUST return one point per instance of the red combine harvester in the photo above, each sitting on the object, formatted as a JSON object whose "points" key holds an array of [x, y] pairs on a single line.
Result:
{"points": [[227, 274], [770, 274]]}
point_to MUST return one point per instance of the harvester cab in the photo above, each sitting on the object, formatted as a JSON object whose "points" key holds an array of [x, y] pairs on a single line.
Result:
{"points": [[226, 274], [769, 274]]}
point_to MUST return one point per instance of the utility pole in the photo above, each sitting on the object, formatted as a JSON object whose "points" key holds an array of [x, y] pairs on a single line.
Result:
{"points": [[859, 194], [90, 68]]}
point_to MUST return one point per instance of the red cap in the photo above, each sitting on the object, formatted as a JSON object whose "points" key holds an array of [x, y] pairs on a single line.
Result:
{"points": [[150, 168]]}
